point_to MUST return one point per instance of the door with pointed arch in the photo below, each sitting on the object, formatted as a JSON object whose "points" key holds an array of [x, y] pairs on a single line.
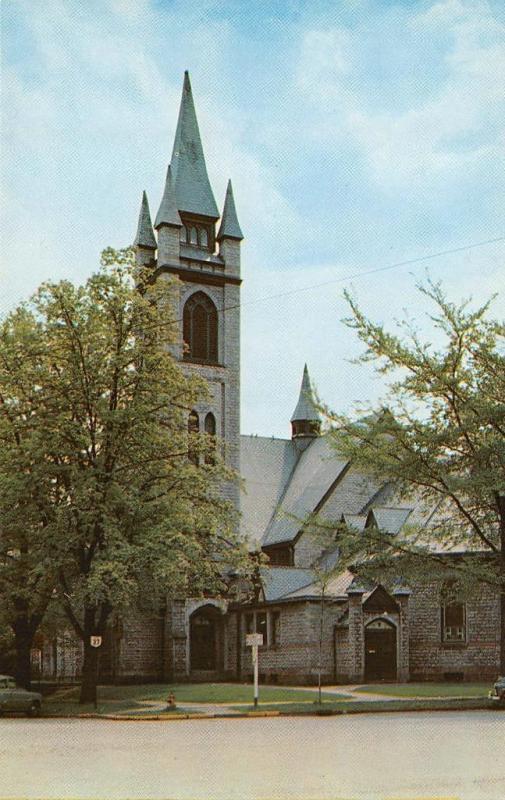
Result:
{"points": [[205, 627], [380, 651]]}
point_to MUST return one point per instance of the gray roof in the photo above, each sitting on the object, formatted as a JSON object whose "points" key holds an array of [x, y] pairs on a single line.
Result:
{"points": [[266, 467], [356, 521], [145, 234], [387, 519], [278, 582], [192, 186], [317, 469], [229, 227], [306, 408], [167, 212]]}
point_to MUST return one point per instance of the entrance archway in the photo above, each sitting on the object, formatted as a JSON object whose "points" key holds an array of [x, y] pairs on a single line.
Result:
{"points": [[380, 651], [205, 639]]}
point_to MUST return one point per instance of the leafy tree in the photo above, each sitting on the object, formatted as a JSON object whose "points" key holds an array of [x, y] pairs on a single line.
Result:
{"points": [[441, 440], [129, 515]]}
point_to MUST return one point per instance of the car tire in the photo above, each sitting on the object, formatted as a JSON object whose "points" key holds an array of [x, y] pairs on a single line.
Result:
{"points": [[34, 709]]}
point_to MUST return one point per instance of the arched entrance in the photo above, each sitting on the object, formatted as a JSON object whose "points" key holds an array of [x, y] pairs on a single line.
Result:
{"points": [[205, 639], [380, 651]]}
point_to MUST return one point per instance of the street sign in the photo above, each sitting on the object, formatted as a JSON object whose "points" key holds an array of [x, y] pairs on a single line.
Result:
{"points": [[95, 641], [254, 639]]}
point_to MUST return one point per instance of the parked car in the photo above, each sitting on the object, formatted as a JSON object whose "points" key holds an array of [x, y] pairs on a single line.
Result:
{"points": [[498, 692], [13, 698]]}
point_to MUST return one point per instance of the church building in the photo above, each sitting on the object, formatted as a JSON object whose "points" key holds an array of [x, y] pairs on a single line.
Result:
{"points": [[370, 633]]}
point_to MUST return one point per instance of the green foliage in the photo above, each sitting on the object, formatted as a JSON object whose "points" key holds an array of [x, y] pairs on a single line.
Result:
{"points": [[440, 443], [100, 503]]}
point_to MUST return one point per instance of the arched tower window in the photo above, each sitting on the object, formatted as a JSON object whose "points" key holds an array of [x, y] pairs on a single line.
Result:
{"points": [[210, 430], [193, 235], [200, 328], [193, 428]]}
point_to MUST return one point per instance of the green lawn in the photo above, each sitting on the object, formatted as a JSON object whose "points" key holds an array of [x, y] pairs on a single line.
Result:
{"points": [[428, 689], [377, 706], [112, 699]]}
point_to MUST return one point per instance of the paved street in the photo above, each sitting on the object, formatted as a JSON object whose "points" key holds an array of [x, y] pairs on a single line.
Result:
{"points": [[437, 755]]}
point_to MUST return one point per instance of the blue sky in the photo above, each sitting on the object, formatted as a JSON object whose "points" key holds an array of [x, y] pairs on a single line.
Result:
{"points": [[357, 135]]}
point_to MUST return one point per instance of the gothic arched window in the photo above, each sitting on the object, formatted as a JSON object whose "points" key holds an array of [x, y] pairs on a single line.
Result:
{"points": [[193, 235], [193, 428], [210, 430], [200, 328]]}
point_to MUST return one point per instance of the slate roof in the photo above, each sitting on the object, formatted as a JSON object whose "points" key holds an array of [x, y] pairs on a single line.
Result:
{"points": [[266, 467], [336, 587], [280, 582], [389, 519], [306, 408], [318, 467], [192, 186], [229, 227], [145, 234], [167, 212]]}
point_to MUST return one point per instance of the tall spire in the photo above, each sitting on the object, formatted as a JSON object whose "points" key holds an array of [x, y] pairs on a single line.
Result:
{"points": [[192, 187], [229, 227], [167, 212], [306, 419], [145, 234]]}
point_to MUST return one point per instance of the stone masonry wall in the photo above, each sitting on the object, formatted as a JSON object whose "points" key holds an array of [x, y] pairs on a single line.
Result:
{"points": [[476, 659]]}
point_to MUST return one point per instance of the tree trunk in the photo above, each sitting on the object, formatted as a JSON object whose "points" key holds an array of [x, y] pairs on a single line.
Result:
{"points": [[95, 619], [501, 503], [321, 633], [23, 637], [89, 673]]}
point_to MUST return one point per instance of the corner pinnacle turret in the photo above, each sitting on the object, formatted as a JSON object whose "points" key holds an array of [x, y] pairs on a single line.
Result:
{"points": [[229, 227], [145, 234], [167, 212], [193, 191]]}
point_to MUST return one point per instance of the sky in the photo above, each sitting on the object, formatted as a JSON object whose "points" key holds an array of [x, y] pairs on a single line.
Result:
{"points": [[358, 135]]}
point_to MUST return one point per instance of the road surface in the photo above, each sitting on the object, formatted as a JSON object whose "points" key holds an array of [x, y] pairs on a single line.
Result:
{"points": [[364, 757]]}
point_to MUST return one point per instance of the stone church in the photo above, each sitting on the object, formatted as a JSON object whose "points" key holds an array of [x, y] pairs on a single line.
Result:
{"points": [[370, 633]]}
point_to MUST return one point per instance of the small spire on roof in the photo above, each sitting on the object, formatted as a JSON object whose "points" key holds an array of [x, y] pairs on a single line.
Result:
{"points": [[145, 234], [306, 419], [191, 182], [306, 407], [229, 227], [167, 212]]}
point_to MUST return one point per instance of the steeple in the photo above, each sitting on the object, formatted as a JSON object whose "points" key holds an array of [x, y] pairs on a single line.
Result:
{"points": [[192, 187], [306, 419], [145, 234], [167, 212], [229, 227]]}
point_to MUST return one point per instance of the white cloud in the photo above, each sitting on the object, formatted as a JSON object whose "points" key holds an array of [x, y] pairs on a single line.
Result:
{"points": [[458, 128]]}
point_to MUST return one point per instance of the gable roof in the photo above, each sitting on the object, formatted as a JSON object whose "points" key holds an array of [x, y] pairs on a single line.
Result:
{"points": [[280, 582], [266, 467], [315, 473], [388, 519]]}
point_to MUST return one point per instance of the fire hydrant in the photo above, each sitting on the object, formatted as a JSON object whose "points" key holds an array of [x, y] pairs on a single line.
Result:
{"points": [[171, 700]]}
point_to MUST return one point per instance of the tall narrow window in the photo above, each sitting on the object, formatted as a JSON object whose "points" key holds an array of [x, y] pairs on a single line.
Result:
{"points": [[193, 429], [454, 622], [193, 235], [204, 237], [210, 430], [200, 328]]}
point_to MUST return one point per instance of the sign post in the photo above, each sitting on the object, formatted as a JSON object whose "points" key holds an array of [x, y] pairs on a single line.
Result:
{"points": [[254, 640], [96, 641]]}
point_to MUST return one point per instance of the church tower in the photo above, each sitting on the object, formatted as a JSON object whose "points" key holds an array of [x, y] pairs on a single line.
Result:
{"points": [[208, 265]]}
